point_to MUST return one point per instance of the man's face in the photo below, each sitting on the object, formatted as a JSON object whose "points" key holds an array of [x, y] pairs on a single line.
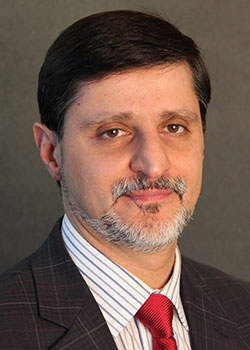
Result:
{"points": [[144, 124]]}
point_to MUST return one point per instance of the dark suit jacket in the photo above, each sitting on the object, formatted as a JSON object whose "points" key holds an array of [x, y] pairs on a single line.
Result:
{"points": [[45, 304]]}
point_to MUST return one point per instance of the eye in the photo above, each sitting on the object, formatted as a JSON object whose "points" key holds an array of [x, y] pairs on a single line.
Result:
{"points": [[175, 128], [113, 133]]}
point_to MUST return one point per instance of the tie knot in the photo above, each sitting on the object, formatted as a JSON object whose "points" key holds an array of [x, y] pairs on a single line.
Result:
{"points": [[157, 314]]}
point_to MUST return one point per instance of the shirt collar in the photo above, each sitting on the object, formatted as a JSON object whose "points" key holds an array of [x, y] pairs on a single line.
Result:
{"points": [[118, 293]]}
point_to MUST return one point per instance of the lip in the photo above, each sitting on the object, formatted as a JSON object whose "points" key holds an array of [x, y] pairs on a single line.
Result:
{"points": [[150, 195]]}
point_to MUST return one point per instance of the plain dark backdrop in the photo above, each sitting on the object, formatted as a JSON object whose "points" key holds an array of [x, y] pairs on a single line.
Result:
{"points": [[30, 201]]}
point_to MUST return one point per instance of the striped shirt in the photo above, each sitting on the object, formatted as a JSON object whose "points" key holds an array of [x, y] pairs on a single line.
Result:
{"points": [[119, 294]]}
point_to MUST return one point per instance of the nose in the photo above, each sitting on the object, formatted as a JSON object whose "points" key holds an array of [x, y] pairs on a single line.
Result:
{"points": [[150, 157]]}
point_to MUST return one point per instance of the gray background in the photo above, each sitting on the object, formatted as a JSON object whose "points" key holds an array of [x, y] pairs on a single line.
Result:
{"points": [[30, 200]]}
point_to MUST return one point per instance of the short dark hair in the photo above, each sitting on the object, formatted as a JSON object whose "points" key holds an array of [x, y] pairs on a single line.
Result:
{"points": [[107, 43]]}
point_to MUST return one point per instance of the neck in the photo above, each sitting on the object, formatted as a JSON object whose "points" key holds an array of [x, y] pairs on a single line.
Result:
{"points": [[154, 269]]}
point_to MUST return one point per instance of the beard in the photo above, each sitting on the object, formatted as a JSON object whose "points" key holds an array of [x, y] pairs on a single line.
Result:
{"points": [[147, 235]]}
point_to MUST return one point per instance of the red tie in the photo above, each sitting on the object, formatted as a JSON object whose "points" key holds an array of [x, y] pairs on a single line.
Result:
{"points": [[156, 314]]}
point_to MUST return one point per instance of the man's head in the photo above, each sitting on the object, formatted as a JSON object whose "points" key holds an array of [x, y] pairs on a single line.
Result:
{"points": [[123, 99], [111, 43]]}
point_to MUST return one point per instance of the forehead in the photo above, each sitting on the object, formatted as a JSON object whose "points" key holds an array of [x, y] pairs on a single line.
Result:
{"points": [[148, 91]]}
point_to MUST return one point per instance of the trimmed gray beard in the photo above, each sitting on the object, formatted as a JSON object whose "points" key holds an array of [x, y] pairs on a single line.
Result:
{"points": [[148, 235]]}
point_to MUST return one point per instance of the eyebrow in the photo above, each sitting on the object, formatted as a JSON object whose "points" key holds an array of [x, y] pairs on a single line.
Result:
{"points": [[104, 117], [183, 114]]}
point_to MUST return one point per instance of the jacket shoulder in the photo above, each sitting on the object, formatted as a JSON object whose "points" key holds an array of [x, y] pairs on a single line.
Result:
{"points": [[230, 294], [211, 275], [15, 280], [21, 324]]}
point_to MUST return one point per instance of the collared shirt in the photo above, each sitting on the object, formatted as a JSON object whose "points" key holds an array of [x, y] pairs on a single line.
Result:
{"points": [[119, 294]]}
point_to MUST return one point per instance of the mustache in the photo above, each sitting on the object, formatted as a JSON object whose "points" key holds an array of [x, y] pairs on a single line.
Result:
{"points": [[124, 186]]}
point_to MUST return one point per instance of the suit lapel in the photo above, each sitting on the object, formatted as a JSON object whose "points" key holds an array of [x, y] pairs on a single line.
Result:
{"points": [[65, 299], [210, 329], [88, 331]]}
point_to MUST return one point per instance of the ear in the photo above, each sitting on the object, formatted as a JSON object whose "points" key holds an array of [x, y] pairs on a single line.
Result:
{"points": [[49, 148], [204, 147]]}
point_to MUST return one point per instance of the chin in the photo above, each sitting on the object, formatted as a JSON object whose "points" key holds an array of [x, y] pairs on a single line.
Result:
{"points": [[147, 235]]}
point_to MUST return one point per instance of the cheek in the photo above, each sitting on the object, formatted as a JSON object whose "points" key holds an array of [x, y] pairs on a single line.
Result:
{"points": [[194, 172], [107, 167], [90, 179], [188, 164]]}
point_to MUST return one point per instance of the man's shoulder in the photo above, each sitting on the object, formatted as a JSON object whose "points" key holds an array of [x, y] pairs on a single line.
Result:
{"points": [[206, 274], [30, 293], [213, 291], [15, 283], [20, 268], [20, 276]]}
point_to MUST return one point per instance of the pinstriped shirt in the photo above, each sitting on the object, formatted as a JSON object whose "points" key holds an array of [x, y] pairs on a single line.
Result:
{"points": [[119, 294]]}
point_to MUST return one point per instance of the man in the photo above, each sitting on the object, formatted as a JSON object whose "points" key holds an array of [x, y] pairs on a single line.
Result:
{"points": [[123, 101]]}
